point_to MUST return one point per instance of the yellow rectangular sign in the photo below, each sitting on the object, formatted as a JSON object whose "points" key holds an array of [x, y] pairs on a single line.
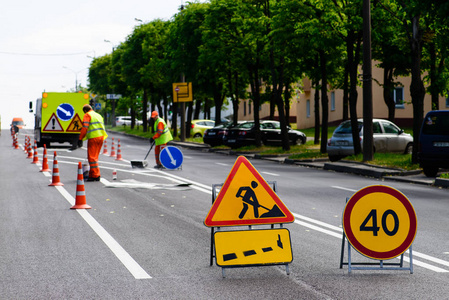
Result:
{"points": [[253, 247], [182, 92]]}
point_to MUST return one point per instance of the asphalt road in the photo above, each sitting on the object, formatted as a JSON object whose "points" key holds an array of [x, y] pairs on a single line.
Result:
{"points": [[144, 237]]}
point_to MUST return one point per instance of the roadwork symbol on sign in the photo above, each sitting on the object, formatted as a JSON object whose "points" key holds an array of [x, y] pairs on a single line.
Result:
{"points": [[253, 247], [246, 199], [53, 124], [379, 222], [75, 125]]}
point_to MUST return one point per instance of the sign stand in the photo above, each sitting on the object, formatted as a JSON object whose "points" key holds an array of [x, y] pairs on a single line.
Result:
{"points": [[215, 190], [379, 265]]}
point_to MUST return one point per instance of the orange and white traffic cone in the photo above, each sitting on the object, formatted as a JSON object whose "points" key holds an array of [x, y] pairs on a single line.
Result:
{"points": [[45, 161], [16, 142], [112, 149], [30, 153], [119, 152], [55, 181], [25, 147], [105, 148], [35, 157], [80, 199]]}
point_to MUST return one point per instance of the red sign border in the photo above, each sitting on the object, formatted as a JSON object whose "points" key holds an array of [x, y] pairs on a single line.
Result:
{"points": [[289, 218], [353, 240]]}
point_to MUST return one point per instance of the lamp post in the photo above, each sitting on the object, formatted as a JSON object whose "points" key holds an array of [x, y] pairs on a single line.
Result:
{"points": [[76, 77]]}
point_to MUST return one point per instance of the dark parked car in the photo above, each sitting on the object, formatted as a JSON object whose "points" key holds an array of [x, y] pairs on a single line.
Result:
{"points": [[433, 152], [244, 134], [214, 136]]}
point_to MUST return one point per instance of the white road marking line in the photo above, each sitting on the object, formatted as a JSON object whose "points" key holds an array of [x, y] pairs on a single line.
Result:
{"points": [[222, 164], [272, 174], [133, 267], [345, 189]]}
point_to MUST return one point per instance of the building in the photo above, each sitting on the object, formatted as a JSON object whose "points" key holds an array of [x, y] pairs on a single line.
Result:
{"points": [[302, 104]]}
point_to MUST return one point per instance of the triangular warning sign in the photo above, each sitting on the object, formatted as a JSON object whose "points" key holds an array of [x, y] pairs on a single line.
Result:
{"points": [[75, 125], [246, 199], [53, 125]]}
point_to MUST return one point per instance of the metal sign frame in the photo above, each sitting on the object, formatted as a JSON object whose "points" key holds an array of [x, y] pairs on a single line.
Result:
{"points": [[215, 190]]}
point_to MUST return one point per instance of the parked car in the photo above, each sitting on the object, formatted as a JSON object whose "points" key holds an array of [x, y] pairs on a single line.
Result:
{"points": [[433, 152], [387, 137], [214, 136], [198, 127], [126, 120], [244, 134]]}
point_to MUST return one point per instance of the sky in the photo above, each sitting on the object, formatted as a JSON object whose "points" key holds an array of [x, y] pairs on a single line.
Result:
{"points": [[48, 45]]}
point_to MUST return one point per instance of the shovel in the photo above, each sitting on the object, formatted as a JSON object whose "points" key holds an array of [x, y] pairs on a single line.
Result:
{"points": [[141, 163]]}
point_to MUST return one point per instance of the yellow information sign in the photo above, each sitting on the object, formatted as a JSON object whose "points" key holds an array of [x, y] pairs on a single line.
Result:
{"points": [[246, 199], [182, 92], [379, 222], [253, 247]]}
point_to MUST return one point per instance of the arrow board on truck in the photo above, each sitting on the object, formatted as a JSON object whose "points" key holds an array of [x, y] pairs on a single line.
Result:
{"points": [[53, 124], [246, 199]]}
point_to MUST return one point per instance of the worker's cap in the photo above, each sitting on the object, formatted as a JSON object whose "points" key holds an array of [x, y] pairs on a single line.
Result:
{"points": [[154, 114]]}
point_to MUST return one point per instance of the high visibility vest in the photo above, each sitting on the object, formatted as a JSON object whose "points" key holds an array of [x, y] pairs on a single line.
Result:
{"points": [[96, 126], [166, 136]]}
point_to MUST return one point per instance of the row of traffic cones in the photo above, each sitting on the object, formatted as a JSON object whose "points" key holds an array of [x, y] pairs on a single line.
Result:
{"points": [[112, 154], [80, 199]]}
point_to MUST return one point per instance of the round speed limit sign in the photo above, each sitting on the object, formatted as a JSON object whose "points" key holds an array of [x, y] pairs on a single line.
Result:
{"points": [[379, 222]]}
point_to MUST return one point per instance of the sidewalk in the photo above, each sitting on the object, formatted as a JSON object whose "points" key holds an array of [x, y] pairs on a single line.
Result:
{"points": [[344, 166]]}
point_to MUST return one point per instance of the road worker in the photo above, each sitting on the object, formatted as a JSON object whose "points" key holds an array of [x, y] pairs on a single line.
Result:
{"points": [[161, 137], [94, 132]]}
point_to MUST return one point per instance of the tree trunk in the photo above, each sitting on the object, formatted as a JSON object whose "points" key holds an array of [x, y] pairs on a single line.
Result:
{"points": [[324, 102], [417, 89], [317, 112], [388, 93]]}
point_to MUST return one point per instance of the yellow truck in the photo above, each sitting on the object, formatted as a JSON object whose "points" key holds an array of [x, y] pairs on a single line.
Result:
{"points": [[59, 118]]}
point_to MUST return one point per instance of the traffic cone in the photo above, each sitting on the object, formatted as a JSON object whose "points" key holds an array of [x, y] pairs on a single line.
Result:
{"points": [[80, 199], [35, 158], [30, 153], [112, 149], [16, 143], [55, 177], [25, 147], [119, 152], [45, 161], [105, 148]]}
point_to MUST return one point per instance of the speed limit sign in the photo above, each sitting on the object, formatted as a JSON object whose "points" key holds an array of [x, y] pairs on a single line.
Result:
{"points": [[379, 222]]}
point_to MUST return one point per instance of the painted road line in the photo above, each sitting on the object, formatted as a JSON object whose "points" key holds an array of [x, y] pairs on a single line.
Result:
{"points": [[222, 164], [133, 267], [272, 174]]}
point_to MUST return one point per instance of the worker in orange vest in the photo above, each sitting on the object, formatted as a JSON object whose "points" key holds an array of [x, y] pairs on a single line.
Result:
{"points": [[94, 132], [161, 137]]}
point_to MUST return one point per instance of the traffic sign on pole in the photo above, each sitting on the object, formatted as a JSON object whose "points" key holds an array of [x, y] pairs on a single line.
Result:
{"points": [[171, 157], [379, 222]]}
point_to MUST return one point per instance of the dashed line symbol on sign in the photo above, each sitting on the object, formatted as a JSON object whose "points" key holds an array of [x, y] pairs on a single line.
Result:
{"points": [[231, 256]]}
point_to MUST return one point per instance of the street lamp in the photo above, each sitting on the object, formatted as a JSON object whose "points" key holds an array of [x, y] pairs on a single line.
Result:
{"points": [[76, 76]]}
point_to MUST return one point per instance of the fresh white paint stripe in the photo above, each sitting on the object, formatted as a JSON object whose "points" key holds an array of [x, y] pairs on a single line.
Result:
{"points": [[338, 229], [272, 174], [332, 233], [342, 188], [222, 164], [133, 267], [425, 265]]}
